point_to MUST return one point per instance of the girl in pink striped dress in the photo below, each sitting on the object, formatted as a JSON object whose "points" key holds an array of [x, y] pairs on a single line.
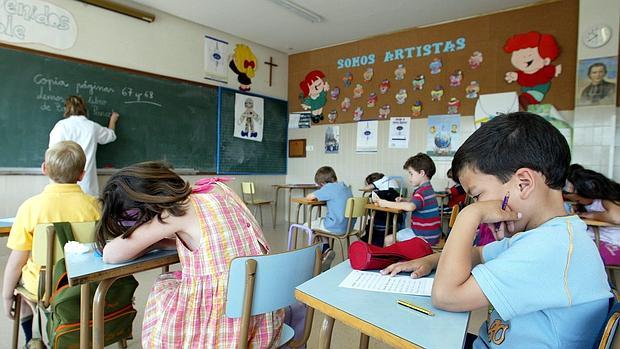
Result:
{"points": [[147, 206]]}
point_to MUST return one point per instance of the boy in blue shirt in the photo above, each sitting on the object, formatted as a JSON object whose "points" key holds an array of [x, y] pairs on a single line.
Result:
{"points": [[335, 194], [543, 281]]}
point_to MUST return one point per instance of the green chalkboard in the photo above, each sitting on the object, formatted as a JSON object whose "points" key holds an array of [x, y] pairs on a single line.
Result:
{"points": [[245, 156], [161, 118]]}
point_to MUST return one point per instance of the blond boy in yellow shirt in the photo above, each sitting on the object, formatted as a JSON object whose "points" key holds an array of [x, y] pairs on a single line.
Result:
{"points": [[61, 201]]}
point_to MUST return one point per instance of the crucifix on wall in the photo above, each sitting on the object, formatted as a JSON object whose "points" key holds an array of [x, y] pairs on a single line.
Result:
{"points": [[271, 65]]}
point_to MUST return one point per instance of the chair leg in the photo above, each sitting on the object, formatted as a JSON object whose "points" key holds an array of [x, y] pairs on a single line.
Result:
{"points": [[273, 215], [260, 209], [122, 344], [342, 249], [16, 323]]}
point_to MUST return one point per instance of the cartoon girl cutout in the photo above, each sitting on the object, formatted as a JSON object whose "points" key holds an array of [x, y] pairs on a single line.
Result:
{"points": [[416, 108], [357, 114], [315, 90], [453, 105], [346, 80], [400, 72], [471, 91], [418, 83], [384, 111], [435, 66], [384, 86], [401, 96], [334, 93], [358, 91], [369, 73], [244, 65], [475, 60], [372, 99], [345, 104], [456, 78], [437, 93]]}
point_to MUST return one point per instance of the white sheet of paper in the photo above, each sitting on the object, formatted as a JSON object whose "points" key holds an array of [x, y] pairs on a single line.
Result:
{"points": [[399, 132], [373, 281], [367, 136]]}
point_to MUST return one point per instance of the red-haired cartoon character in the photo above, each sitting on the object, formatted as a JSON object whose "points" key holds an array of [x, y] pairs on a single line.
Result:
{"points": [[532, 54], [315, 90]]}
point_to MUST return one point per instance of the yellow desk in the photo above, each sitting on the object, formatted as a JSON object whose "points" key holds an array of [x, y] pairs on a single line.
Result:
{"points": [[309, 205], [289, 188], [373, 210]]}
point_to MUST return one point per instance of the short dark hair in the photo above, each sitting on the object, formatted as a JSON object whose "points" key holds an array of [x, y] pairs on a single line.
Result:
{"points": [[325, 175], [373, 177], [512, 141], [420, 162], [597, 65]]}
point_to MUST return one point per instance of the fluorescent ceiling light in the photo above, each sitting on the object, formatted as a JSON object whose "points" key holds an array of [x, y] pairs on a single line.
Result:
{"points": [[299, 10]]}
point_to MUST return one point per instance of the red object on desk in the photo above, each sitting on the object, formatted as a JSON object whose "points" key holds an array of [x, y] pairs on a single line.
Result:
{"points": [[364, 256]]}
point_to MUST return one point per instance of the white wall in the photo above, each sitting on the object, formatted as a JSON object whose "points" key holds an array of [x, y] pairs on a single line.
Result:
{"points": [[169, 46]]}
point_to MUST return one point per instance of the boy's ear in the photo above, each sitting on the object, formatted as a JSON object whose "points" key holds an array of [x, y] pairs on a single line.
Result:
{"points": [[81, 176], [43, 170], [525, 182]]}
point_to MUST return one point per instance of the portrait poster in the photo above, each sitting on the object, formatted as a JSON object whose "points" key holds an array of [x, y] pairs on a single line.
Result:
{"points": [[249, 117], [443, 135], [367, 136], [597, 80], [332, 139], [399, 133]]}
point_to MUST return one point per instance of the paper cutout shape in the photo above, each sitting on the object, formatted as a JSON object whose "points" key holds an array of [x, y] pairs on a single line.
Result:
{"points": [[346, 80], [401, 96], [491, 105], [358, 91], [368, 74], [437, 93], [384, 86], [456, 78], [244, 64], [384, 111], [314, 87], [475, 60], [418, 83], [453, 105], [416, 108], [435, 66], [399, 72], [471, 91], [334, 93], [372, 100], [345, 104], [331, 117], [249, 117], [358, 113], [332, 139], [532, 54]]}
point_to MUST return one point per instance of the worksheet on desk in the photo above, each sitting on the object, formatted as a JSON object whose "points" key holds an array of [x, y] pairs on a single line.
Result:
{"points": [[373, 281]]}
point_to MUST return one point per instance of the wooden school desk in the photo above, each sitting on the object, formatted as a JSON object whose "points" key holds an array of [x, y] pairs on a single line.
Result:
{"points": [[393, 211], [88, 267], [308, 205], [597, 238], [289, 188], [377, 314]]}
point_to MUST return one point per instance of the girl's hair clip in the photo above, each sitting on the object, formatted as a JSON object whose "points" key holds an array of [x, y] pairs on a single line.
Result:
{"points": [[205, 185]]}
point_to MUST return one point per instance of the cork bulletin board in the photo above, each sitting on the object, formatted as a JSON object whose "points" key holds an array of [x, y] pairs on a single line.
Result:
{"points": [[453, 43]]}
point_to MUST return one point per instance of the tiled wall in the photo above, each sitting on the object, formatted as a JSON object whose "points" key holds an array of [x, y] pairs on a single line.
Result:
{"points": [[594, 138]]}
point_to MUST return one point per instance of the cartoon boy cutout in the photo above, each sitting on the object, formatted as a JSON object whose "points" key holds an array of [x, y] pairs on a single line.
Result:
{"points": [[314, 88], [532, 54]]}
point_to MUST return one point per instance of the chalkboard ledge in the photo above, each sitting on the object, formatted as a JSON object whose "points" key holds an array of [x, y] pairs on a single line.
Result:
{"points": [[16, 171]]}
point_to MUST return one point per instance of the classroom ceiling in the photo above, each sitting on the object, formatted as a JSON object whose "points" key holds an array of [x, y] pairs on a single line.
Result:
{"points": [[268, 24]]}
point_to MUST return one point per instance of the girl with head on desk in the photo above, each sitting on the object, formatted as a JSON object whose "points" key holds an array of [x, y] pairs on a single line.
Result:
{"points": [[597, 197], [147, 206]]}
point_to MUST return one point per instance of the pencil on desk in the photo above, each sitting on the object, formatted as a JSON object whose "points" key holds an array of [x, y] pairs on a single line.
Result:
{"points": [[416, 308]]}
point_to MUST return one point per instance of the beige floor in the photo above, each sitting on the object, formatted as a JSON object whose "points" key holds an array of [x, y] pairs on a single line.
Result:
{"points": [[343, 336]]}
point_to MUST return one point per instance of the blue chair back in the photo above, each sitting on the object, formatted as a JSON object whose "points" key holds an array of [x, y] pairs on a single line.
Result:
{"points": [[274, 280], [609, 331]]}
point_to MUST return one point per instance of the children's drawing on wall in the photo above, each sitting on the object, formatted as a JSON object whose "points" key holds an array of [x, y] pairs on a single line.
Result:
{"points": [[532, 54], [596, 81], [475, 60], [399, 133], [444, 135], [332, 139], [249, 117], [367, 136], [314, 88], [243, 64], [216, 54]]}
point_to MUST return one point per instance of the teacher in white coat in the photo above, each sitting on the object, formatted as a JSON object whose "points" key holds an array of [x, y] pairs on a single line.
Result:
{"points": [[78, 128]]}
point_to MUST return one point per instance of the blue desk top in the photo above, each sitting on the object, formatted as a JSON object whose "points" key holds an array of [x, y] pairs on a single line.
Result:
{"points": [[444, 330], [90, 266]]}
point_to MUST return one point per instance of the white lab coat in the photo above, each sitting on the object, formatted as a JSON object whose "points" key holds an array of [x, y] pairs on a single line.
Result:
{"points": [[87, 134]]}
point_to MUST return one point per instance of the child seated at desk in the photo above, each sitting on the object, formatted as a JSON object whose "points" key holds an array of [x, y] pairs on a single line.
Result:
{"points": [[386, 188], [597, 198], [543, 281], [425, 218], [335, 194], [147, 206], [61, 201], [457, 195]]}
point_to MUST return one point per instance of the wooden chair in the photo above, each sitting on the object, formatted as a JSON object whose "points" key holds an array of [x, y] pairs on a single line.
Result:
{"points": [[610, 335], [355, 208], [46, 251], [262, 284], [247, 193], [442, 241]]}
